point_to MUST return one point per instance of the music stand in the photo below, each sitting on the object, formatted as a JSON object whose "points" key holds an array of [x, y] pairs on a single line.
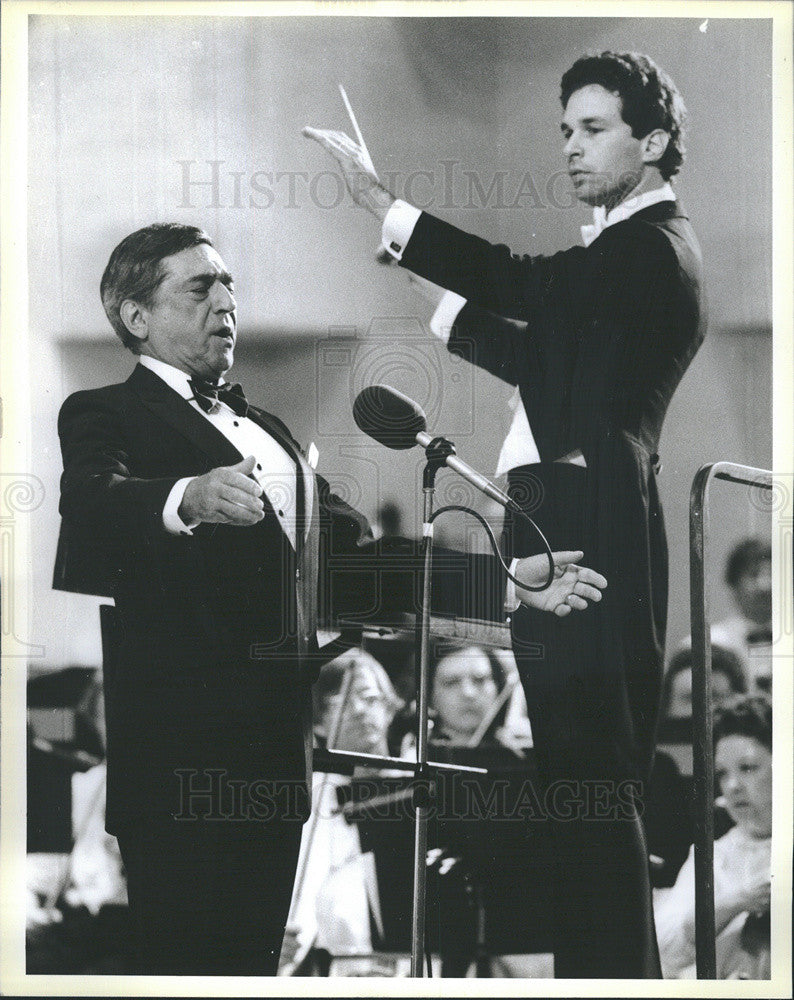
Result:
{"points": [[488, 860]]}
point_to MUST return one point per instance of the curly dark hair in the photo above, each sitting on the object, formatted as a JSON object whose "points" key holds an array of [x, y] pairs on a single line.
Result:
{"points": [[135, 270], [650, 98], [745, 715]]}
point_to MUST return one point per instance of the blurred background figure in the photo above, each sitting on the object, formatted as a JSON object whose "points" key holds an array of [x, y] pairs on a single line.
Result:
{"points": [[748, 574], [668, 817], [368, 708], [741, 663], [474, 700], [77, 916], [742, 858], [748, 632], [336, 894], [727, 679], [388, 521], [483, 862]]}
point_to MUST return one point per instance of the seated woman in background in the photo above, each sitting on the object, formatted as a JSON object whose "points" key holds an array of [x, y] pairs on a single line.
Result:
{"points": [[742, 857], [335, 888]]}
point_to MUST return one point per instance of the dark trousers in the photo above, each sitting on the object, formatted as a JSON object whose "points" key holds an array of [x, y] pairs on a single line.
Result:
{"points": [[209, 897], [573, 676]]}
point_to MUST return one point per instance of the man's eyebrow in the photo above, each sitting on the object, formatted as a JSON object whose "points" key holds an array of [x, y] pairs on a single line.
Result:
{"points": [[595, 120], [209, 277]]}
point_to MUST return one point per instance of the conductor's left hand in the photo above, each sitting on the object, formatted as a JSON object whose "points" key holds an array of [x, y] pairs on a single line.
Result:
{"points": [[364, 187], [573, 588]]}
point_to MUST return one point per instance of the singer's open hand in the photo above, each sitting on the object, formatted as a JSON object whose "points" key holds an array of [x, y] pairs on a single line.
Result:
{"points": [[573, 588], [365, 189], [226, 495]]}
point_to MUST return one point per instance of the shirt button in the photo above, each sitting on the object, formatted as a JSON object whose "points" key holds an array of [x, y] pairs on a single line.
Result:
{"points": [[237, 423], [259, 467], [281, 513]]}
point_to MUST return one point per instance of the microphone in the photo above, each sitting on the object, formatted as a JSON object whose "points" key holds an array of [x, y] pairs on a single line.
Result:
{"points": [[396, 421]]}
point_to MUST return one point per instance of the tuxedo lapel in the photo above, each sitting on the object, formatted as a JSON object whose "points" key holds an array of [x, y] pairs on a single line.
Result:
{"points": [[170, 407]]}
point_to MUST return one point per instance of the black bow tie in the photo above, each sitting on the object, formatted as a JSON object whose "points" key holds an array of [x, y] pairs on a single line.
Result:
{"points": [[207, 394]]}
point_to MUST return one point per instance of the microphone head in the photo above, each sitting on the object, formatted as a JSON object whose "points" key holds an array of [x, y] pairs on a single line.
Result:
{"points": [[388, 416]]}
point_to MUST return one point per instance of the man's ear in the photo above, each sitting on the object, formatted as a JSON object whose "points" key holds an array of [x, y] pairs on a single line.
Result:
{"points": [[135, 319], [653, 145]]}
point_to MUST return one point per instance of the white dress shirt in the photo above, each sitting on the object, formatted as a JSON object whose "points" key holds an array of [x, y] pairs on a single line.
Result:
{"points": [[603, 219], [274, 471], [737, 857]]}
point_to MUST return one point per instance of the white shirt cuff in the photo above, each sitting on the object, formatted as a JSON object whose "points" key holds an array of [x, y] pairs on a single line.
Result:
{"points": [[172, 522], [511, 600], [398, 226], [518, 447], [445, 315]]}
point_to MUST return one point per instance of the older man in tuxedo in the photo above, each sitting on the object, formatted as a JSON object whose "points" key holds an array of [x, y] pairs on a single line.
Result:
{"points": [[595, 339], [200, 515]]}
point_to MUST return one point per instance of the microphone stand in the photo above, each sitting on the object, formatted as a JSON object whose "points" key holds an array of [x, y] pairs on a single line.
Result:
{"points": [[437, 452]]}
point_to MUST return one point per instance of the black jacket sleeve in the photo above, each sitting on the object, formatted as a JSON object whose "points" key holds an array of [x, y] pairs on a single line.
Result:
{"points": [[106, 511], [488, 275], [98, 489], [500, 345]]}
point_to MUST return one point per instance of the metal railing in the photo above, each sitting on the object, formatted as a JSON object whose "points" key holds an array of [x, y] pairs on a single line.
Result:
{"points": [[702, 716]]}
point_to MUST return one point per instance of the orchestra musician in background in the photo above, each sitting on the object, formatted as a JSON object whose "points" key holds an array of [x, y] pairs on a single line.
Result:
{"points": [[742, 856], [472, 696], [336, 886], [748, 631]]}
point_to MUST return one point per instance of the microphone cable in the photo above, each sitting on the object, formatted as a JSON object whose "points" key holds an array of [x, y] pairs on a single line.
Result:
{"points": [[495, 544]]}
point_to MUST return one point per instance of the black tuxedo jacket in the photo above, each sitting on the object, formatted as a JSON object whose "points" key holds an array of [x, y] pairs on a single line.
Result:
{"points": [[597, 340], [215, 632]]}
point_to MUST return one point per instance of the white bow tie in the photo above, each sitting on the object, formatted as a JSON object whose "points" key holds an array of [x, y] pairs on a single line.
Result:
{"points": [[602, 218], [589, 233]]}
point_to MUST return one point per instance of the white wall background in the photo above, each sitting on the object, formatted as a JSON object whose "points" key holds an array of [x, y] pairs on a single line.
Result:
{"points": [[123, 110]]}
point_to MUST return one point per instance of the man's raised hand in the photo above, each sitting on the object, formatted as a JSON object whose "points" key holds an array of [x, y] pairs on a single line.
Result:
{"points": [[225, 495], [572, 589], [365, 189]]}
